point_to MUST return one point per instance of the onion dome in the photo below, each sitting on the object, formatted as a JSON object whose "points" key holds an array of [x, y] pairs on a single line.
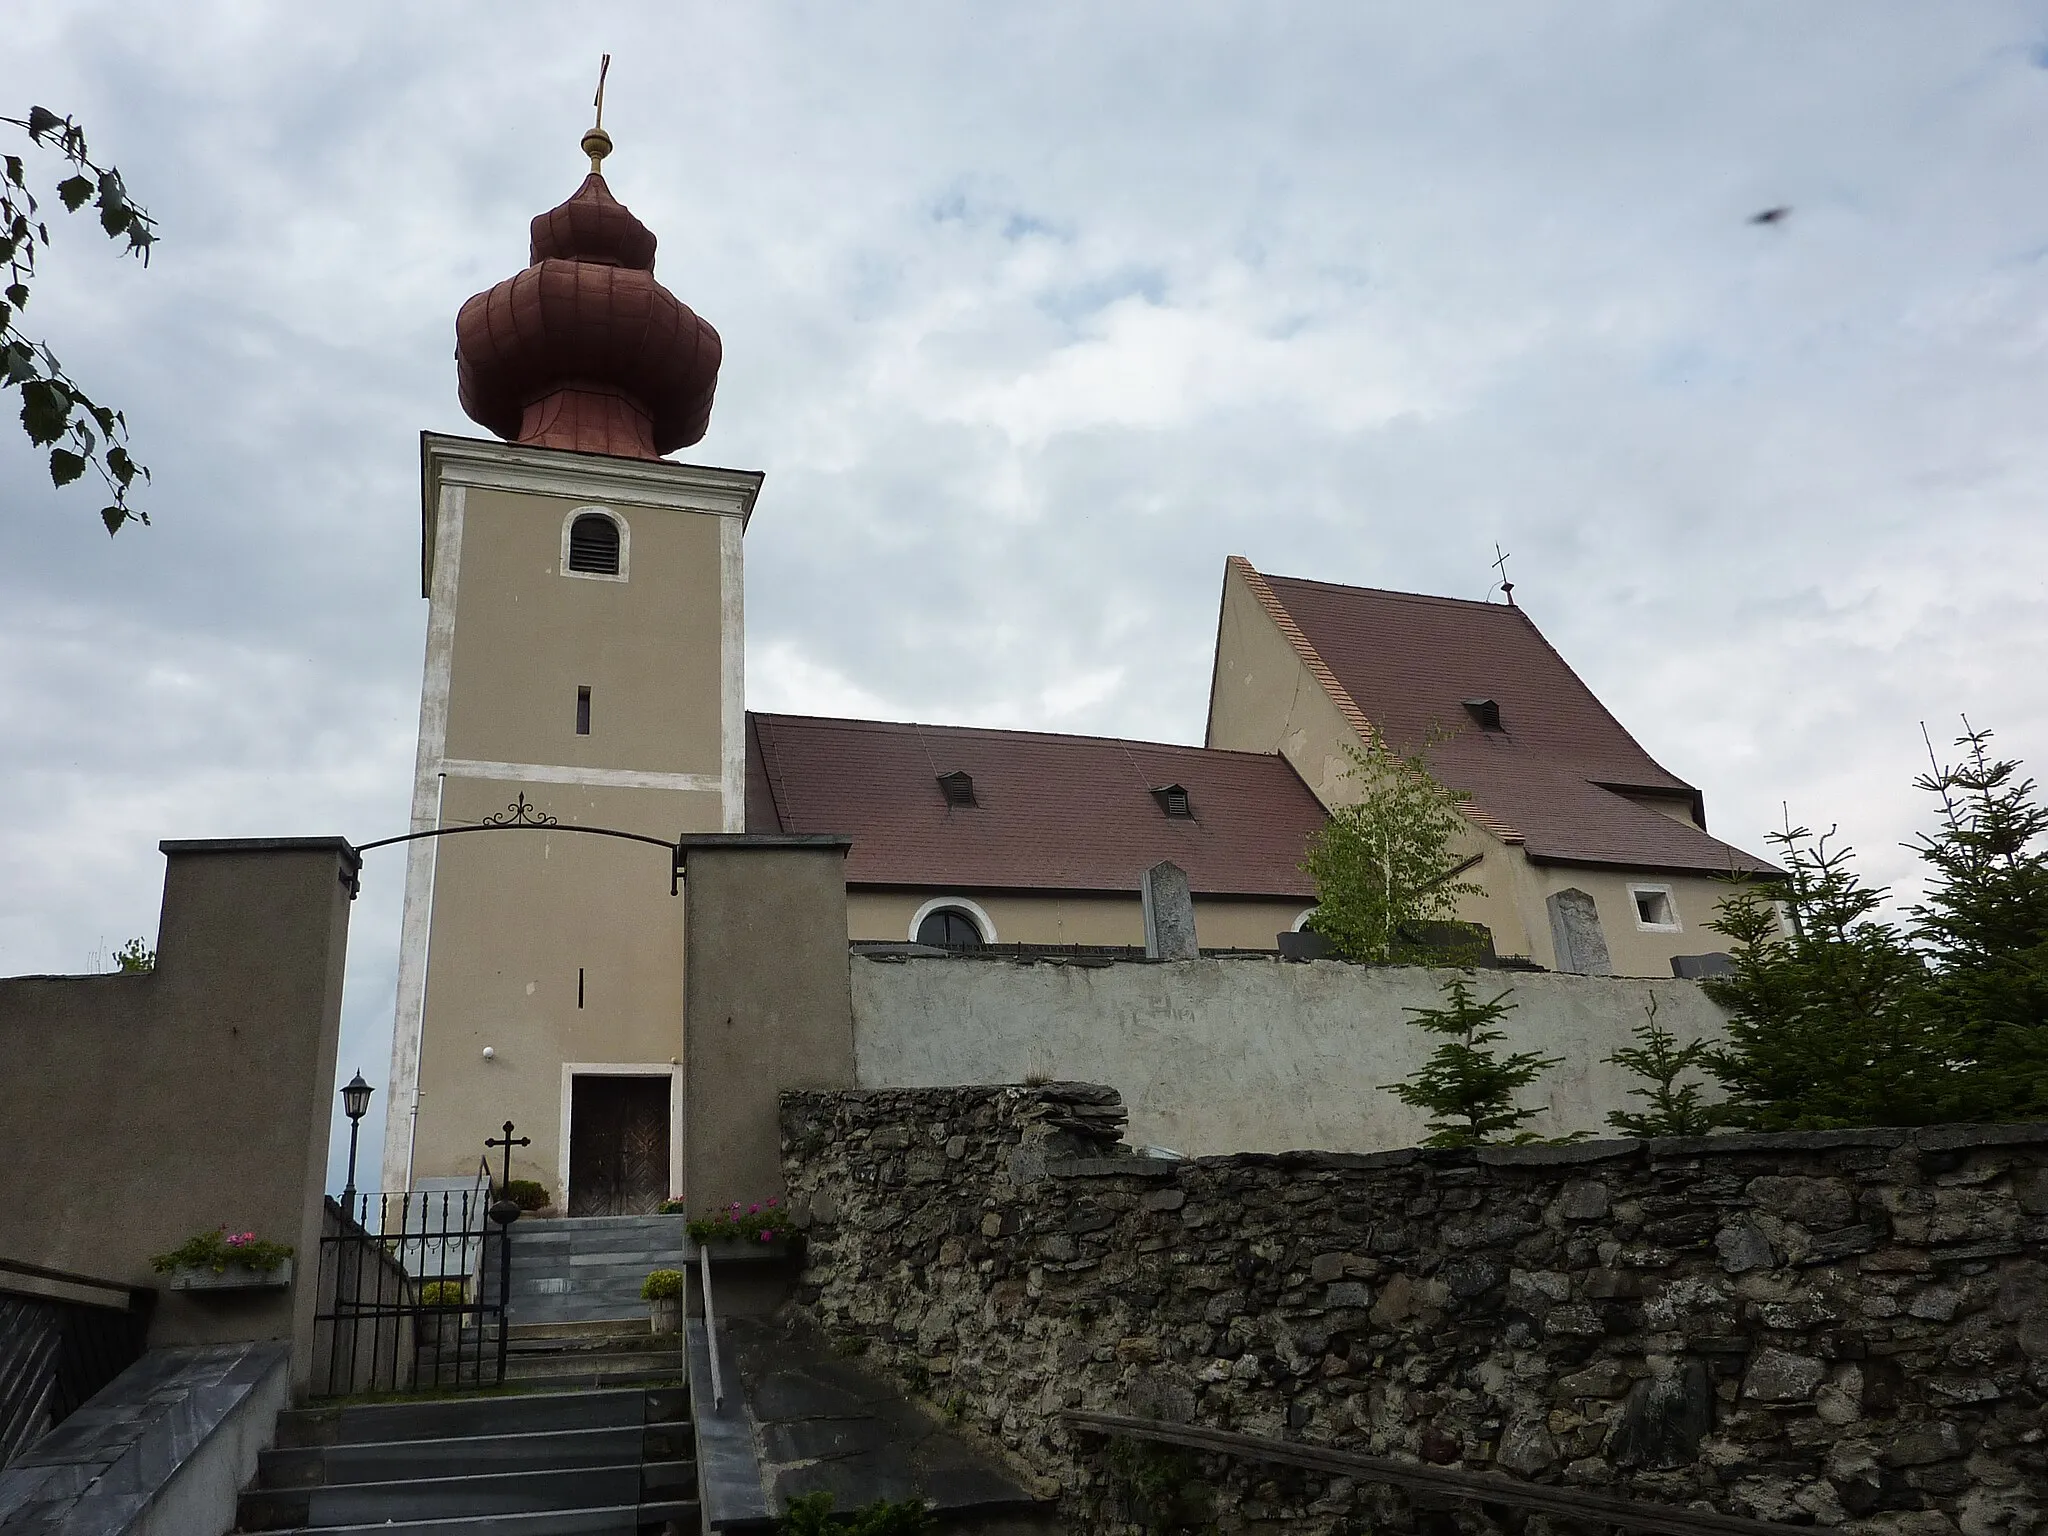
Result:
{"points": [[584, 350]]}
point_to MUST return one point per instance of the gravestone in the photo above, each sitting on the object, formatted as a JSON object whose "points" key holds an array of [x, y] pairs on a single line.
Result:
{"points": [[1575, 930], [1169, 913]]}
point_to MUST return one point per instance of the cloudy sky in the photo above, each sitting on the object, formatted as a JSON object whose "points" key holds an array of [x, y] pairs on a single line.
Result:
{"points": [[1032, 315]]}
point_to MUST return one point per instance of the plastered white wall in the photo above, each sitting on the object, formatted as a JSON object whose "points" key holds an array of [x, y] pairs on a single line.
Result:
{"points": [[1246, 1055]]}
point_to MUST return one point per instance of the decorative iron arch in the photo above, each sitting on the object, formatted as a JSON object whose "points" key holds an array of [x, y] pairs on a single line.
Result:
{"points": [[523, 816]]}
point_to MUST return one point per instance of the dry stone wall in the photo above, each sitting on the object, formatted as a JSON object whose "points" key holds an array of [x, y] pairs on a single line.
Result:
{"points": [[1847, 1329]]}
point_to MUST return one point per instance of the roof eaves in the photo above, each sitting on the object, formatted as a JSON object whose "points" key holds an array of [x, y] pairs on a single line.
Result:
{"points": [[1340, 696]]}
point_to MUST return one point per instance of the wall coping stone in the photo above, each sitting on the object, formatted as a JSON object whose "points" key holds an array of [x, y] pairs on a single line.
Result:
{"points": [[1930, 1138], [1550, 1155], [113, 1460], [1112, 1167], [1947, 1138], [1778, 1141]]}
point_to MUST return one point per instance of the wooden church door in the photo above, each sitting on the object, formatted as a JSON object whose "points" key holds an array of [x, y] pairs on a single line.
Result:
{"points": [[618, 1145]]}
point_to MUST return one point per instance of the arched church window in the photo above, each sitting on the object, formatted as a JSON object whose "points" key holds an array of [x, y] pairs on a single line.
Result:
{"points": [[594, 545], [950, 928]]}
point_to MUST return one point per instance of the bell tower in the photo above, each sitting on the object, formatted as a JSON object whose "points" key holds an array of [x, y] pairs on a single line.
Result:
{"points": [[583, 667]]}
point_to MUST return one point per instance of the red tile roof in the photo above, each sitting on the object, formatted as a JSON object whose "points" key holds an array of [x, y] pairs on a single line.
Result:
{"points": [[1070, 813], [1548, 778]]}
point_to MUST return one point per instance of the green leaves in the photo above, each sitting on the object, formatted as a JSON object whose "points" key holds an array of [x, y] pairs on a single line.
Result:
{"points": [[45, 411], [1385, 867], [55, 413]]}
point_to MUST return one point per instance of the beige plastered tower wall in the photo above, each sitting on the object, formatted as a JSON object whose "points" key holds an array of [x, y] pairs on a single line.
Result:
{"points": [[1272, 693], [559, 951]]}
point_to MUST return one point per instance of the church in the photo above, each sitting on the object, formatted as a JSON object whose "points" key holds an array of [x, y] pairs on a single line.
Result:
{"points": [[584, 668]]}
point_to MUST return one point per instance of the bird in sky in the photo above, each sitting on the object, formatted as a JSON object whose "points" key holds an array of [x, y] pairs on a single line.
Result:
{"points": [[1771, 216]]}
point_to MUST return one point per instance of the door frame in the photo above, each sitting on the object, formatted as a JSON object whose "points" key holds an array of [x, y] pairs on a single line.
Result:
{"points": [[571, 1070]]}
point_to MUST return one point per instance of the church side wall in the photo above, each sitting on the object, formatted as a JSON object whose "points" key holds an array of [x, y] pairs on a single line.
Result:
{"points": [[1058, 918], [1242, 1054], [1634, 950]]}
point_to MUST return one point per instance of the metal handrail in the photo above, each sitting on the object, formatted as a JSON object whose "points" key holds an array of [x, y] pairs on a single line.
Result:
{"points": [[1489, 1487], [710, 1327]]}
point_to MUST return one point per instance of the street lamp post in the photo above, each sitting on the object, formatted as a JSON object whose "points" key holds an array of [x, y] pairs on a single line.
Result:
{"points": [[355, 1103]]}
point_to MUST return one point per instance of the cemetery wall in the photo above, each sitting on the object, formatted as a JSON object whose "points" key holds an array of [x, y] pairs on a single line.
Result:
{"points": [[139, 1110], [1240, 1053], [1846, 1328]]}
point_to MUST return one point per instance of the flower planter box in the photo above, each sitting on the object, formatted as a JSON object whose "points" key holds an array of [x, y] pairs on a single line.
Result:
{"points": [[726, 1250], [236, 1277], [666, 1314]]}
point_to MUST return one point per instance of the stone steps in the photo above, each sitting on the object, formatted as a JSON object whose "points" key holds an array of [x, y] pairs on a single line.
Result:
{"points": [[586, 1269], [557, 1461]]}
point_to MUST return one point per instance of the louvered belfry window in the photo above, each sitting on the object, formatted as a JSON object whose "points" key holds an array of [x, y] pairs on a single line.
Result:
{"points": [[1173, 799], [957, 787], [594, 545]]}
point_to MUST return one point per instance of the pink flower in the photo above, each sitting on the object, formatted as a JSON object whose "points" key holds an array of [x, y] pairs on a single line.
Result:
{"points": [[735, 1205], [753, 1210], [771, 1205], [767, 1236]]}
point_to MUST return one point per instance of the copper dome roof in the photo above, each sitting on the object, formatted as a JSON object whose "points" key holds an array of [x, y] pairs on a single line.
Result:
{"points": [[584, 349]]}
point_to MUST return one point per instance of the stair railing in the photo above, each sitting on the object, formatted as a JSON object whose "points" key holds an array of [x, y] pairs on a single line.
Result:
{"points": [[710, 1327]]}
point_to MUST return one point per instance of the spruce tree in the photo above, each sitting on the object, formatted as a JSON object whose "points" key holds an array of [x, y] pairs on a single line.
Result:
{"points": [[1467, 1089], [1833, 1024], [1984, 925], [1674, 1108]]}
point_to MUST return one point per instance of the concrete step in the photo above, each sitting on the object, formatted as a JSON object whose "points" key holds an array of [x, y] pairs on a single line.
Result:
{"points": [[598, 1370], [661, 1239], [470, 1494], [506, 1414], [665, 1515], [314, 1466], [592, 1338]]}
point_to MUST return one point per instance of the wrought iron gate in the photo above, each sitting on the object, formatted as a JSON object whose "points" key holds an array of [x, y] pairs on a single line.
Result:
{"points": [[413, 1291]]}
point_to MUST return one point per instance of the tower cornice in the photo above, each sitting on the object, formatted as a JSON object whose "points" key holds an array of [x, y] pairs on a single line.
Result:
{"points": [[487, 464]]}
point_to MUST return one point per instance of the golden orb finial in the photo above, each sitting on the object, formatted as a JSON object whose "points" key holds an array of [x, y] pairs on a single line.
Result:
{"points": [[597, 143]]}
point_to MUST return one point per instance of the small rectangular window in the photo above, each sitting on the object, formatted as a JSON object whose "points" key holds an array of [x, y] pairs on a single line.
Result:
{"points": [[1655, 910], [579, 986], [582, 711]]}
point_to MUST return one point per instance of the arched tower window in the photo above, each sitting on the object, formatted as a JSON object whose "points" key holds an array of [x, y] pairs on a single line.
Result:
{"points": [[594, 545]]}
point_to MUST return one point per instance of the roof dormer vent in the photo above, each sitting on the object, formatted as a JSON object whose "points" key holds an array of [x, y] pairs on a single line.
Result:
{"points": [[1173, 799], [958, 787], [1486, 712]]}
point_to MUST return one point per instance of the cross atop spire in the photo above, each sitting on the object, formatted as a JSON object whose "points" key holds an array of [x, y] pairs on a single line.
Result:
{"points": [[597, 143]]}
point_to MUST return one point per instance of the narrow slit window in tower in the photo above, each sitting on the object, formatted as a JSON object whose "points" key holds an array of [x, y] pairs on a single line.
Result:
{"points": [[582, 711]]}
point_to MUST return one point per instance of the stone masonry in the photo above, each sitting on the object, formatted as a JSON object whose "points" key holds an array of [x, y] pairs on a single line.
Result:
{"points": [[1847, 1329]]}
